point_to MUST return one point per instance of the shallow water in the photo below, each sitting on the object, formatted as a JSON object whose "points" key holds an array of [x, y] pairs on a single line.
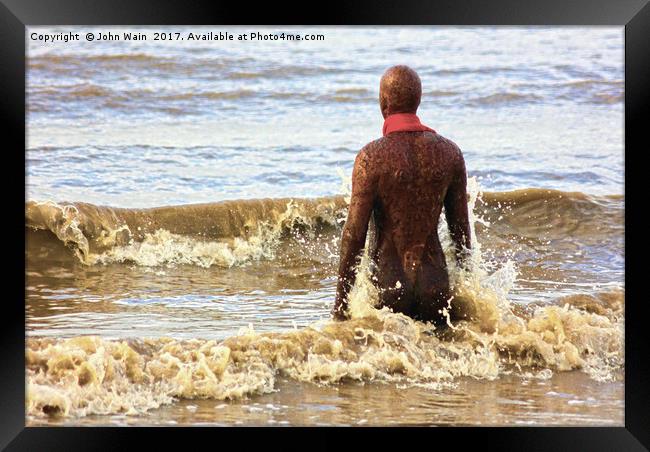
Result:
{"points": [[566, 399], [538, 113]]}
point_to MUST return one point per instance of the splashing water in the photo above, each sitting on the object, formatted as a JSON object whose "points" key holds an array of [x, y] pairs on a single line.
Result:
{"points": [[90, 375]]}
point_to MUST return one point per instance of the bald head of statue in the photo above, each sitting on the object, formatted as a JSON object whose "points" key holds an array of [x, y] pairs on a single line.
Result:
{"points": [[400, 91]]}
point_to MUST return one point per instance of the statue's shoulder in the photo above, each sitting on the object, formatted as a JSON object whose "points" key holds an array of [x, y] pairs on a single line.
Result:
{"points": [[375, 147], [449, 147]]}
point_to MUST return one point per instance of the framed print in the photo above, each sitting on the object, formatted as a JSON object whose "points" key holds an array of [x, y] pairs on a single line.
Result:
{"points": [[406, 216]]}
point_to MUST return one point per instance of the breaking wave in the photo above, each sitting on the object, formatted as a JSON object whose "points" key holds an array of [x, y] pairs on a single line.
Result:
{"points": [[90, 375], [233, 232], [224, 233]]}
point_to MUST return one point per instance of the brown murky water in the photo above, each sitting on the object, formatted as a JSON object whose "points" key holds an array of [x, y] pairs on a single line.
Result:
{"points": [[569, 398], [148, 339]]}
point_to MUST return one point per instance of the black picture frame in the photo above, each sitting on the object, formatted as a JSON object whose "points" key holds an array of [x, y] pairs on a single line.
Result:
{"points": [[16, 15]]}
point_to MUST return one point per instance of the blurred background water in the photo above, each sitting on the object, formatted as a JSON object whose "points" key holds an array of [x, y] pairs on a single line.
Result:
{"points": [[168, 122]]}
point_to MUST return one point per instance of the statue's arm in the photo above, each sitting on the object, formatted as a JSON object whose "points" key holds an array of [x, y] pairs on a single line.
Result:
{"points": [[355, 230], [456, 211]]}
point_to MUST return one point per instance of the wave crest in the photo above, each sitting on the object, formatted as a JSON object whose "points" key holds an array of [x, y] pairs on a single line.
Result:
{"points": [[232, 232], [221, 233]]}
